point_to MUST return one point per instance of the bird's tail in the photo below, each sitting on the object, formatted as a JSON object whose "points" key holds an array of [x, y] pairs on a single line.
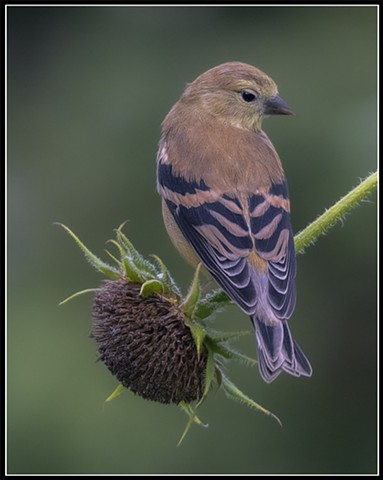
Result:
{"points": [[277, 351]]}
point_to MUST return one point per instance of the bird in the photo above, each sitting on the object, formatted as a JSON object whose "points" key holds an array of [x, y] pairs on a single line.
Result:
{"points": [[225, 202]]}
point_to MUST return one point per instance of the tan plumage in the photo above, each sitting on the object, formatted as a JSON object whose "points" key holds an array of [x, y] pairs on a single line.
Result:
{"points": [[177, 237], [225, 201], [211, 98]]}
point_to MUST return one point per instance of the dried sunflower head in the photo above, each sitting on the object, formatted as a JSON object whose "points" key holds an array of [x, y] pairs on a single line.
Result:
{"points": [[157, 343], [146, 343]]}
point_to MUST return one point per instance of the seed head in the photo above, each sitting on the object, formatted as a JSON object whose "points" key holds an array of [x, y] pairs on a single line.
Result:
{"points": [[159, 344], [146, 344]]}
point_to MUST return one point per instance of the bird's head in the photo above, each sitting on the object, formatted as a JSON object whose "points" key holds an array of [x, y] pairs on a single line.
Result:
{"points": [[237, 94]]}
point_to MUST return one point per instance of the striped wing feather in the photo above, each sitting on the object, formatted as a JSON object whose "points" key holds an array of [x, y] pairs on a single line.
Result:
{"points": [[223, 235]]}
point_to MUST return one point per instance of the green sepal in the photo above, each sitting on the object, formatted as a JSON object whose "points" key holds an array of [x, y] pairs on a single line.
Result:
{"points": [[190, 303], [209, 374], [186, 407], [217, 336], [151, 286], [211, 304], [198, 333], [233, 392], [230, 354], [146, 269], [116, 392], [77, 294], [97, 263], [116, 260], [130, 270], [170, 285], [218, 375]]}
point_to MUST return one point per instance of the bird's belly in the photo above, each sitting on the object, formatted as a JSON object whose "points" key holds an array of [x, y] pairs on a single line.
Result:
{"points": [[177, 237]]}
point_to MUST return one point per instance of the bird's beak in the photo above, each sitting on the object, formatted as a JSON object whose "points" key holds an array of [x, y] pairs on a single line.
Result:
{"points": [[277, 106]]}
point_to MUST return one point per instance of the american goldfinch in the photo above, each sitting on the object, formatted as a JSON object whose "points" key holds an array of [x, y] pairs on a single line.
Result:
{"points": [[225, 202]]}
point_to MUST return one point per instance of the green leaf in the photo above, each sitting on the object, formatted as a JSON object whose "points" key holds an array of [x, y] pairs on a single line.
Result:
{"points": [[98, 264], [191, 301], [235, 393], [151, 286], [77, 294], [116, 392]]}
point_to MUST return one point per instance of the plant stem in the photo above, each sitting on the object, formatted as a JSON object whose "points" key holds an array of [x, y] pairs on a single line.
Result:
{"points": [[319, 226]]}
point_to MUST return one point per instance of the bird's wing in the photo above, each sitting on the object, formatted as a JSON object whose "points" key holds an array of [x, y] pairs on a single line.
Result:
{"points": [[274, 242], [224, 233]]}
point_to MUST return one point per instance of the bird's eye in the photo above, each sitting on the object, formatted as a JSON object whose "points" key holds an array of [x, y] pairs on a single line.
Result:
{"points": [[248, 96]]}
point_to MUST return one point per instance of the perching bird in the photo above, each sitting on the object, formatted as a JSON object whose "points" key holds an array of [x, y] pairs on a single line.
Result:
{"points": [[226, 203]]}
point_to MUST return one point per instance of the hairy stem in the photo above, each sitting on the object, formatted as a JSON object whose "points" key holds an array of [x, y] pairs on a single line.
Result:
{"points": [[319, 226]]}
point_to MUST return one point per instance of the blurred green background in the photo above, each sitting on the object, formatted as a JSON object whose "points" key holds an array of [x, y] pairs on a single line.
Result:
{"points": [[87, 91]]}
